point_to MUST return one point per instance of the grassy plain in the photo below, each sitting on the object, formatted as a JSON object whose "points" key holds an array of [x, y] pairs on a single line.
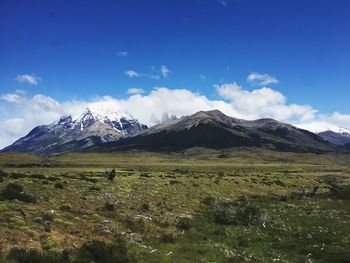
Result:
{"points": [[196, 206]]}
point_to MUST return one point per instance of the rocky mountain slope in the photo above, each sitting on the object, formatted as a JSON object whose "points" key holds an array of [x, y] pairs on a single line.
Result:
{"points": [[339, 136], [214, 129], [95, 125]]}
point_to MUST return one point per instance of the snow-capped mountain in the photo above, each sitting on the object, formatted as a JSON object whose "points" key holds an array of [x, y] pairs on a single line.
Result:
{"points": [[95, 125], [214, 129], [339, 136]]}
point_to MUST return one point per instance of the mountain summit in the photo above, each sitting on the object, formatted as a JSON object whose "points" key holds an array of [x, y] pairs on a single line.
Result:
{"points": [[214, 129], [94, 125], [339, 136]]}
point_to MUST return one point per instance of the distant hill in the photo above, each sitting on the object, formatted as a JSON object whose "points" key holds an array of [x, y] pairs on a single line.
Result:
{"points": [[213, 129], [341, 136]]}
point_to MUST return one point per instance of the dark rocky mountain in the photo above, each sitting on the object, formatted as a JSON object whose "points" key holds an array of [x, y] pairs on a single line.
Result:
{"points": [[214, 129], [68, 134], [339, 137]]}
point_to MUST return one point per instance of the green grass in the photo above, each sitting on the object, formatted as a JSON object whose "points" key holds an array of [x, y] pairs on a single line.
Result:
{"points": [[163, 206]]}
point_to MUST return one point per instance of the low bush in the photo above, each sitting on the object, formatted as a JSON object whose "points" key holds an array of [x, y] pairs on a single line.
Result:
{"points": [[111, 175], [184, 222], [100, 252], [93, 251], [38, 176], [2, 175], [15, 191], [341, 191], [48, 216], [59, 185], [135, 225], [66, 207], [94, 188], [20, 255], [145, 207], [238, 214], [109, 207]]}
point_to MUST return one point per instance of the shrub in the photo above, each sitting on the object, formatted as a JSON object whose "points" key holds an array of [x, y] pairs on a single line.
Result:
{"points": [[137, 225], [2, 175], [15, 191], [94, 188], [38, 176], [100, 252], [184, 222], [59, 185], [48, 216], [341, 191], [238, 214], [209, 201], [168, 237], [66, 207], [146, 175], [109, 207], [21, 255], [111, 175], [48, 243], [145, 207]]}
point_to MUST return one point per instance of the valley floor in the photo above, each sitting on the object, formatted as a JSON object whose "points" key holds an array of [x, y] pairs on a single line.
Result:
{"points": [[245, 205]]}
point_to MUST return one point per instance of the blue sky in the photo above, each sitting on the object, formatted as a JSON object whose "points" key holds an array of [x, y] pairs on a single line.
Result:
{"points": [[81, 50]]}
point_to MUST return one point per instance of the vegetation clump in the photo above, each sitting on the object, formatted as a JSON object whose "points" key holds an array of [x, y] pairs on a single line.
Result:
{"points": [[111, 175], [109, 207], [2, 175], [244, 214], [184, 222], [93, 251], [59, 185], [16, 191], [100, 252], [21, 255]]}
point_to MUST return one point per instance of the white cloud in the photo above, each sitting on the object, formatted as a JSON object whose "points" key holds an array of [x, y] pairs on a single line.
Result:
{"points": [[28, 78], [10, 97], [21, 112], [132, 74], [259, 79], [263, 103], [122, 54], [164, 71], [135, 91]]}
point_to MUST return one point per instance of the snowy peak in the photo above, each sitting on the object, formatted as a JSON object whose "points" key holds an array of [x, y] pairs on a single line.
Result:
{"points": [[339, 136], [339, 130], [344, 131], [97, 124], [121, 121]]}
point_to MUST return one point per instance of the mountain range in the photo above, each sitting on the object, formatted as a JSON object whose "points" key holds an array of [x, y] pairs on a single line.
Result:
{"points": [[93, 126], [340, 136], [213, 129], [107, 130]]}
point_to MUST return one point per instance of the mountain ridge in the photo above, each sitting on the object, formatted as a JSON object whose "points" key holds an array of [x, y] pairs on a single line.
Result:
{"points": [[74, 134], [339, 136], [214, 129]]}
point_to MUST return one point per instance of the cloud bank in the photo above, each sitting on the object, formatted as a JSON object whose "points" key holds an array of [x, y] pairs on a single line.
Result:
{"points": [[21, 112]]}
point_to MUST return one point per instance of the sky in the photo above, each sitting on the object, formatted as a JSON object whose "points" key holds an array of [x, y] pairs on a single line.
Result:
{"points": [[288, 60]]}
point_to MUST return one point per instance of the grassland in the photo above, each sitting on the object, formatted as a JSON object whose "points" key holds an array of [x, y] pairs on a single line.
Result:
{"points": [[195, 206]]}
